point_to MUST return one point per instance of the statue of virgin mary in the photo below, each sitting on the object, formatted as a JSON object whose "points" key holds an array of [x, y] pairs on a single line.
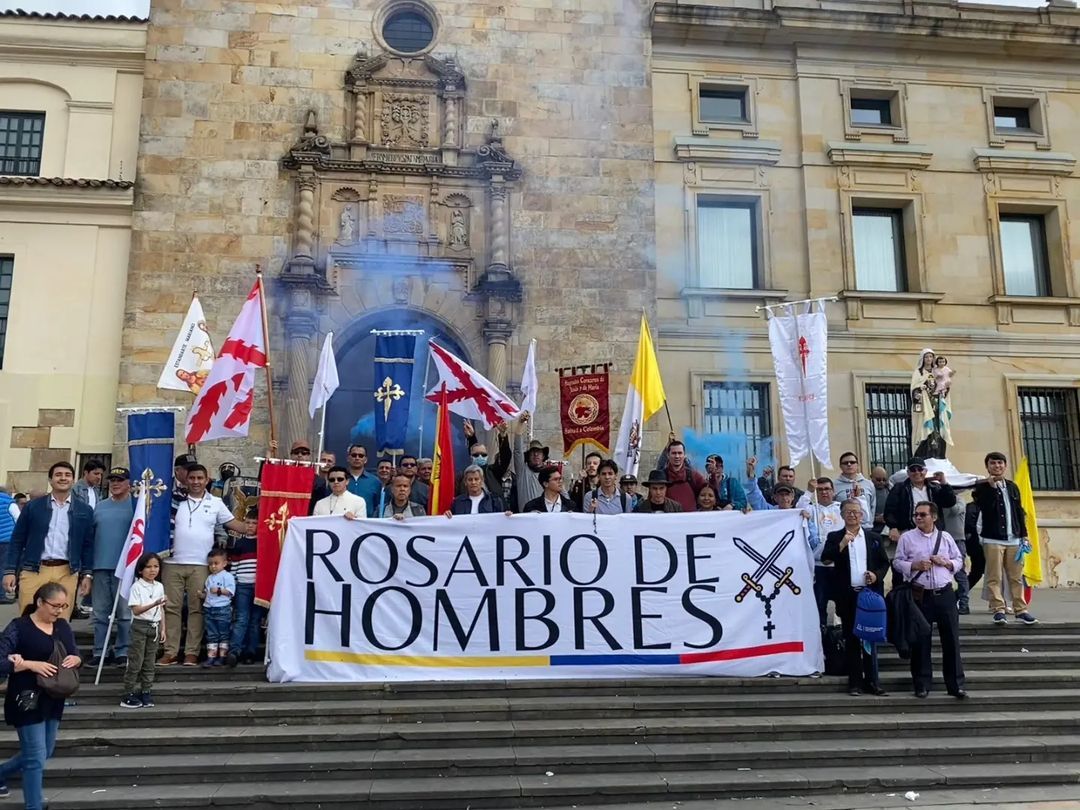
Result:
{"points": [[931, 412]]}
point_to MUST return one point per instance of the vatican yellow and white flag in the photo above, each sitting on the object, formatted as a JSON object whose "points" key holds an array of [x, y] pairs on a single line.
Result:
{"points": [[192, 354], [799, 344], [644, 397]]}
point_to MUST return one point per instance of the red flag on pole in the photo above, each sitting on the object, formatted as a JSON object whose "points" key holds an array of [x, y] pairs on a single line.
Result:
{"points": [[442, 469], [285, 492]]}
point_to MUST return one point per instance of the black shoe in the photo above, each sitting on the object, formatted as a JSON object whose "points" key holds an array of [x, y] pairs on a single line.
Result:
{"points": [[247, 659], [959, 694], [921, 693], [877, 690], [4, 791], [854, 691], [131, 701], [231, 660], [120, 661], [94, 661], [963, 610]]}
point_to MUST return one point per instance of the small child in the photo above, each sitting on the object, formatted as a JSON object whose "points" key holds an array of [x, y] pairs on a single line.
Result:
{"points": [[942, 376], [218, 594], [146, 599]]}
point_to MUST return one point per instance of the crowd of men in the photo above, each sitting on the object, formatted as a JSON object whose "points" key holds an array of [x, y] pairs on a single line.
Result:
{"points": [[860, 530]]}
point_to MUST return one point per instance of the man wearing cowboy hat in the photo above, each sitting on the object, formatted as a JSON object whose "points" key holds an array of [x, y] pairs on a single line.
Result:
{"points": [[657, 499], [527, 465]]}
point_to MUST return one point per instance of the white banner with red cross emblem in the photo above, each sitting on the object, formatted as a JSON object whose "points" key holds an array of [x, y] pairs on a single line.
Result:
{"points": [[481, 597], [799, 344]]}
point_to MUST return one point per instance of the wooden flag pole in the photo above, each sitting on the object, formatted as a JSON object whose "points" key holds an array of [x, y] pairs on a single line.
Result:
{"points": [[269, 372]]}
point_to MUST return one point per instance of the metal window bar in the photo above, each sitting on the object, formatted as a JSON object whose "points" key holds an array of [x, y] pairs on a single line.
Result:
{"points": [[888, 425], [21, 136], [739, 408], [7, 274], [1050, 431]]}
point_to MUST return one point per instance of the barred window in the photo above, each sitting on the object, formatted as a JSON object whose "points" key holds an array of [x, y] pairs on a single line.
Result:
{"points": [[7, 274], [888, 425], [21, 136], [739, 408], [1050, 431]]}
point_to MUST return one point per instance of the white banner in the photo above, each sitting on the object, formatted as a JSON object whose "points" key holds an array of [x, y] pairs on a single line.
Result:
{"points": [[799, 346], [192, 355], [544, 596]]}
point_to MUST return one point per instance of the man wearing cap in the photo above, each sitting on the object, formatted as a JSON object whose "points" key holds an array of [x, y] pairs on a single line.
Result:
{"points": [[527, 466], [628, 486], [657, 499], [112, 522], [179, 481], [900, 507], [301, 451]]}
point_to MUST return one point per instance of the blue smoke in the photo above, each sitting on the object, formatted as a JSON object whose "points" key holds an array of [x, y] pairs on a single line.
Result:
{"points": [[729, 446]]}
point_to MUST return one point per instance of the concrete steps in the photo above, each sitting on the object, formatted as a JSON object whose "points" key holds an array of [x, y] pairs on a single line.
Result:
{"points": [[226, 738]]}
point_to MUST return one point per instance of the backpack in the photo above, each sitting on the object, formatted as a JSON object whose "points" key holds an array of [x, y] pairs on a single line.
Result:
{"points": [[832, 644], [870, 616]]}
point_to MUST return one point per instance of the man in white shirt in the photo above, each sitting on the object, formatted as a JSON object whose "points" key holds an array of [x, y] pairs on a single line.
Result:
{"points": [[340, 501], [825, 515], [197, 517]]}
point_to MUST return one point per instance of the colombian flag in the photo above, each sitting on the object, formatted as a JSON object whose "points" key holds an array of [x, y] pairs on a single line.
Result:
{"points": [[1032, 560]]}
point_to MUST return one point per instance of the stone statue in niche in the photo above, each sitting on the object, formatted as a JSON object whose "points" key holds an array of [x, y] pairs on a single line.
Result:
{"points": [[459, 230], [347, 226]]}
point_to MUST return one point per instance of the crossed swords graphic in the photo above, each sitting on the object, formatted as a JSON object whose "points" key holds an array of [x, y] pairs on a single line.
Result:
{"points": [[766, 565]]}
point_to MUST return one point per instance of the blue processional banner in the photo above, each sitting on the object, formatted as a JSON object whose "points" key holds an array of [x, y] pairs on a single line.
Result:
{"points": [[394, 361], [150, 453]]}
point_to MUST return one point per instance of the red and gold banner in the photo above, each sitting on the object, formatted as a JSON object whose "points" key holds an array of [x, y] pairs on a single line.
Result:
{"points": [[583, 405], [442, 470], [285, 492]]}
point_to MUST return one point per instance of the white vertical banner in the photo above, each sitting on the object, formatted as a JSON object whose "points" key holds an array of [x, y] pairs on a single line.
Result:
{"points": [[799, 344]]}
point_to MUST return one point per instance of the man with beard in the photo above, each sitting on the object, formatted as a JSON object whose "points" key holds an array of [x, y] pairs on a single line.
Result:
{"points": [[682, 481]]}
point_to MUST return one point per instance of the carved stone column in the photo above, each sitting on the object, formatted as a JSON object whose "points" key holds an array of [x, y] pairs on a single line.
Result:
{"points": [[301, 325], [450, 130], [360, 116], [372, 206], [500, 231], [497, 332], [305, 215]]}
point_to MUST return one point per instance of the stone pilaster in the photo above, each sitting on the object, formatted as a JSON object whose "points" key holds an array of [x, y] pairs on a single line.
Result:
{"points": [[305, 215], [500, 231], [497, 333], [301, 326], [360, 116]]}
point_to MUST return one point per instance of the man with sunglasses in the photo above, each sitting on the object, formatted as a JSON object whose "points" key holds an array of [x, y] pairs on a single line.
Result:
{"points": [[341, 501], [419, 492], [929, 558], [301, 451], [362, 483], [851, 483], [900, 506], [494, 470]]}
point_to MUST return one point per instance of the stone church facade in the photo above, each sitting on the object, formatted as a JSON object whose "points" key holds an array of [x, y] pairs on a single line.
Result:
{"points": [[470, 169]]}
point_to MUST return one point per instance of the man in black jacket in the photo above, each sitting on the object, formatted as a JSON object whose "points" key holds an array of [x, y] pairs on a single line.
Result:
{"points": [[476, 500], [552, 499], [1000, 524], [902, 499], [861, 562], [494, 469]]}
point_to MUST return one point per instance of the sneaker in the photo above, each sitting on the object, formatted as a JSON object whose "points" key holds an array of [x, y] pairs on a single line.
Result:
{"points": [[94, 661], [147, 700], [1027, 618], [191, 660], [166, 661], [4, 791], [963, 610], [218, 662], [232, 660], [999, 618], [209, 662], [120, 661], [131, 702]]}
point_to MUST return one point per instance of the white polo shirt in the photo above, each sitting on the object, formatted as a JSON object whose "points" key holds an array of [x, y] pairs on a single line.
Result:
{"points": [[340, 504], [193, 533]]}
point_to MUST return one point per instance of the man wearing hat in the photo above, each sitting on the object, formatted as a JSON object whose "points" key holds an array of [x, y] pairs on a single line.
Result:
{"points": [[628, 486], [900, 507], [179, 482], [527, 465], [657, 499], [112, 521], [301, 451]]}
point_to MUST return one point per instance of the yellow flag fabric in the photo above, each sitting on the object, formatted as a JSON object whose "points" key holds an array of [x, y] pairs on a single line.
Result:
{"points": [[646, 376], [1033, 560]]}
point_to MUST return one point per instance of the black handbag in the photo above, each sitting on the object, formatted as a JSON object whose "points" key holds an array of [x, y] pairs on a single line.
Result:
{"points": [[65, 682]]}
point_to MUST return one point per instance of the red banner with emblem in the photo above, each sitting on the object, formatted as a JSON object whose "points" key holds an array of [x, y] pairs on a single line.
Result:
{"points": [[583, 405], [284, 493]]}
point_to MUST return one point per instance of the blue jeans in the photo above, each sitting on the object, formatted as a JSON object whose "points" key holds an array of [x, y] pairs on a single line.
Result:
{"points": [[217, 621], [104, 595], [823, 590], [245, 631], [36, 744]]}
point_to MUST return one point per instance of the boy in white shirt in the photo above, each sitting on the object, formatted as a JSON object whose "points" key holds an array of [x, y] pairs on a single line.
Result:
{"points": [[146, 598], [217, 596]]}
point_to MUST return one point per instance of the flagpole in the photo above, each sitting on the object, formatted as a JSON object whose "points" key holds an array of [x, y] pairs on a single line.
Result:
{"points": [[269, 373], [322, 417], [423, 399]]}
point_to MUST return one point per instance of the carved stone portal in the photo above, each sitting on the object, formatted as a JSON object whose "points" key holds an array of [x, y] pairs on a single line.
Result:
{"points": [[400, 201]]}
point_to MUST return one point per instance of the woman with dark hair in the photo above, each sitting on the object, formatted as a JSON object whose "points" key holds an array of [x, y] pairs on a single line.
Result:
{"points": [[709, 501], [25, 649]]}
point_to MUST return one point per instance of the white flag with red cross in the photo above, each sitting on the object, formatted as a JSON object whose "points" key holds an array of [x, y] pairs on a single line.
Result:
{"points": [[799, 344], [222, 408], [133, 546], [468, 392]]}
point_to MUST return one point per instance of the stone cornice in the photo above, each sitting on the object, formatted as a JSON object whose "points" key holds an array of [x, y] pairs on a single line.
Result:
{"points": [[756, 152], [65, 182], [999, 160], [901, 156], [940, 25]]}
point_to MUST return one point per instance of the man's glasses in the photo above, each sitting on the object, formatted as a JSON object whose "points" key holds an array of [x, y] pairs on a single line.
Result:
{"points": [[479, 455], [408, 464], [300, 451], [916, 469], [337, 479], [922, 514]]}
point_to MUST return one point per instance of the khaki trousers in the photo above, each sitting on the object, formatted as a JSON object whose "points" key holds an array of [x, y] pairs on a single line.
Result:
{"points": [[1000, 558], [179, 579], [30, 581]]}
